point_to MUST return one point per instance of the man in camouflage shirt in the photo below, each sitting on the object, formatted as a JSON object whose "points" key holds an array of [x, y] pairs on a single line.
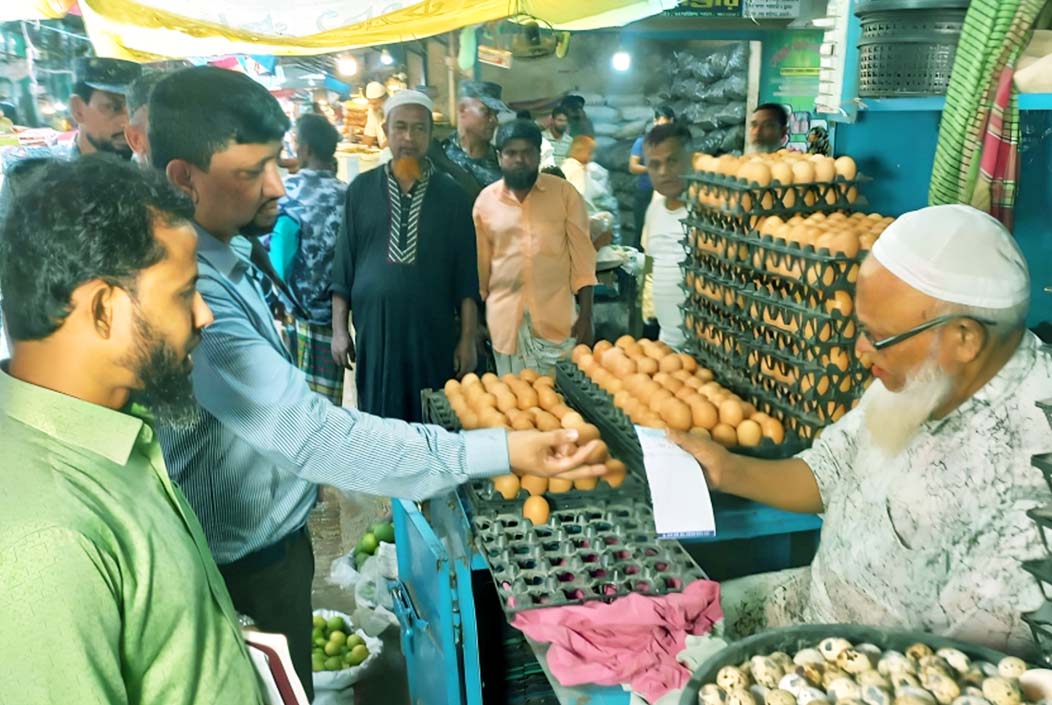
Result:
{"points": [[301, 250], [468, 155]]}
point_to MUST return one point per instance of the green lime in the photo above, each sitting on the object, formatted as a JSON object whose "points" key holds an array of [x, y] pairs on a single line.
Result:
{"points": [[337, 637], [354, 640], [320, 642], [333, 664], [317, 664], [359, 558], [368, 544], [357, 655], [318, 633], [319, 621], [336, 624], [331, 649], [384, 532]]}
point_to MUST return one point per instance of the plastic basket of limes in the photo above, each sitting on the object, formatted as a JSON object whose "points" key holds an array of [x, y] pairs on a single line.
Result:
{"points": [[341, 655]]}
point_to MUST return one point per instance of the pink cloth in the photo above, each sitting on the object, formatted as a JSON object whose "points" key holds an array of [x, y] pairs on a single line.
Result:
{"points": [[632, 640]]}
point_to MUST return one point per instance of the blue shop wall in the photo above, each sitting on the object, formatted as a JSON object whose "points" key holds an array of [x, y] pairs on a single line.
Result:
{"points": [[897, 149]]}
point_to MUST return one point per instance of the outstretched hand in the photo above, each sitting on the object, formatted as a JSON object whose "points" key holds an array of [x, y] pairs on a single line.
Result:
{"points": [[553, 454]]}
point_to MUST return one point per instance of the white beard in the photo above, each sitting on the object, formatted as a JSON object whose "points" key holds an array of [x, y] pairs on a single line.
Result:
{"points": [[894, 418]]}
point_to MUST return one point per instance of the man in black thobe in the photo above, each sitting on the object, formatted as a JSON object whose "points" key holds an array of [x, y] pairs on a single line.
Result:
{"points": [[405, 265]]}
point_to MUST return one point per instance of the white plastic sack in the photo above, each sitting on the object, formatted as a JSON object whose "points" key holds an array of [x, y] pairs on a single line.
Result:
{"points": [[339, 680], [623, 101], [342, 572], [637, 112], [591, 99], [631, 130], [601, 113], [607, 129], [371, 590]]}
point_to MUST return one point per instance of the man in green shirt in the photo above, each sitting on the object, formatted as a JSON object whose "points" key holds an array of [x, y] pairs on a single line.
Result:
{"points": [[109, 591]]}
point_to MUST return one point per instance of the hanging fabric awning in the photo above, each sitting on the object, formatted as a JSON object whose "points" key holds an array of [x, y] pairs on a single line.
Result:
{"points": [[151, 29], [12, 10]]}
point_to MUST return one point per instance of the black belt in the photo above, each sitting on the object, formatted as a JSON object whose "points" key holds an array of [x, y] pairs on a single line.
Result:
{"points": [[266, 556]]}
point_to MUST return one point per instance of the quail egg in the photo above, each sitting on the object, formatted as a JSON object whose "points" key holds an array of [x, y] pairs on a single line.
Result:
{"points": [[973, 691], [746, 668], [1036, 685], [854, 661], [844, 689], [740, 696], [777, 696], [904, 680], [832, 647], [872, 678], [872, 649], [971, 699], [812, 656], [973, 676], [895, 662], [765, 671], [934, 662], [782, 659], [1011, 667], [944, 688], [712, 694], [831, 674], [793, 683], [913, 700], [732, 678], [918, 696], [919, 651], [875, 695], [1001, 691], [811, 695], [957, 659], [812, 673], [989, 670], [850, 701]]}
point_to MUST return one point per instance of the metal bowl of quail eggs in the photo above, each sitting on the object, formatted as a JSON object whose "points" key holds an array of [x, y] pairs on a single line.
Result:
{"points": [[842, 664]]}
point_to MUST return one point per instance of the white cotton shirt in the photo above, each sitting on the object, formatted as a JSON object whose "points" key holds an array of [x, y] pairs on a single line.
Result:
{"points": [[663, 241], [374, 127], [933, 538]]}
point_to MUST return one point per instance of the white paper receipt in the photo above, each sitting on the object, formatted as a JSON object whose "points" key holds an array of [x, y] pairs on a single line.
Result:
{"points": [[682, 505]]}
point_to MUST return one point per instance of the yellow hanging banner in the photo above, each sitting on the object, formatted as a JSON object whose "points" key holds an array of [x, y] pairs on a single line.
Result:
{"points": [[13, 10]]}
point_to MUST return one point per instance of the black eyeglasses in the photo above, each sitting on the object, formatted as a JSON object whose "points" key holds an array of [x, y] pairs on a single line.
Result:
{"points": [[917, 330]]}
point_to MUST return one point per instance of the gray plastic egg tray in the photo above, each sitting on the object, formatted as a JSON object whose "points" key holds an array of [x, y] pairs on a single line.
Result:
{"points": [[586, 552]]}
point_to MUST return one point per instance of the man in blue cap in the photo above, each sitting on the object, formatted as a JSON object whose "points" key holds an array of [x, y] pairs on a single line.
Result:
{"points": [[468, 155], [99, 105]]}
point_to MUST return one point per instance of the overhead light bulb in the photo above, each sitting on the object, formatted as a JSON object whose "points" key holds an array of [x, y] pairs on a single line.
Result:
{"points": [[347, 66], [621, 60], [385, 58]]}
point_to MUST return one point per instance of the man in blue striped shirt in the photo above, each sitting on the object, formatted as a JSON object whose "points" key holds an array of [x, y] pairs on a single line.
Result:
{"points": [[252, 463]]}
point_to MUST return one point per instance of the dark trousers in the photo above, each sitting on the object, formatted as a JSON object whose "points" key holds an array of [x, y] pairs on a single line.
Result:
{"points": [[639, 214], [273, 587]]}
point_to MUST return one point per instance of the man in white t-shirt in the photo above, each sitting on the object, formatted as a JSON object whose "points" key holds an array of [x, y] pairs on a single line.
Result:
{"points": [[373, 134], [667, 158]]}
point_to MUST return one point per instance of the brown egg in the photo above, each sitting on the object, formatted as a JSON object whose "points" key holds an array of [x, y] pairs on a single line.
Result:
{"points": [[803, 173], [522, 423], [670, 363], [572, 420], [459, 406], [688, 363], [536, 510], [611, 358], [845, 166], [483, 401], [506, 402], [652, 420], [725, 435], [633, 351], [527, 398], [558, 485], [529, 375], [686, 393], [586, 362], [731, 413], [704, 414], [511, 380], [544, 381], [772, 428], [470, 421], [748, 409], [599, 454], [601, 347], [600, 376], [615, 473], [749, 433], [469, 379], [701, 433], [621, 399], [633, 383], [825, 170], [840, 301], [704, 374], [452, 388], [559, 411], [534, 484], [491, 418], [586, 484], [547, 398], [672, 384], [586, 433], [507, 486], [658, 398], [693, 382], [646, 391], [546, 421], [676, 414], [647, 365], [624, 342]]}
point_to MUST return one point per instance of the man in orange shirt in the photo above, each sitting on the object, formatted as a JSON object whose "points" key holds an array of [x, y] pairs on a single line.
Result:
{"points": [[536, 260]]}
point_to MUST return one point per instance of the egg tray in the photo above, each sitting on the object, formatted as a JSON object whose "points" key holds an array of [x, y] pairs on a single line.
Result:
{"points": [[481, 493], [588, 551], [793, 639], [617, 429], [812, 274], [1040, 623]]}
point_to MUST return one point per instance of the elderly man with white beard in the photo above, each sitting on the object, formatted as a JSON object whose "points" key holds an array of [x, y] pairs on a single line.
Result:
{"points": [[925, 486]]}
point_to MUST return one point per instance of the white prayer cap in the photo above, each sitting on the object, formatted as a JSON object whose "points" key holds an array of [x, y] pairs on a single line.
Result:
{"points": [[374, 90], [956, 254], [408, 98]]}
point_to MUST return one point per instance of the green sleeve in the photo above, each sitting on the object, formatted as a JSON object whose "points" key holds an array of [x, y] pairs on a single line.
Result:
{"points": [[284, 242], [60, 627]]}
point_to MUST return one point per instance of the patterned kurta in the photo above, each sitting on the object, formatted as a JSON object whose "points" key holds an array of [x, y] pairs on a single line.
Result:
{"points": [[933, 538]]}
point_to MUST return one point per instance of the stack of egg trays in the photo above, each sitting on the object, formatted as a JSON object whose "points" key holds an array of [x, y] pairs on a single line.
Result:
{"points": [[737, 315], [485, 498], [741, 204], [1040, 620], [589, 550], [597, 406]]}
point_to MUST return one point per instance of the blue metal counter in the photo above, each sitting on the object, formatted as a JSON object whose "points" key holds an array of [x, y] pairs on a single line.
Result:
{"points": [[438, 602]]}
